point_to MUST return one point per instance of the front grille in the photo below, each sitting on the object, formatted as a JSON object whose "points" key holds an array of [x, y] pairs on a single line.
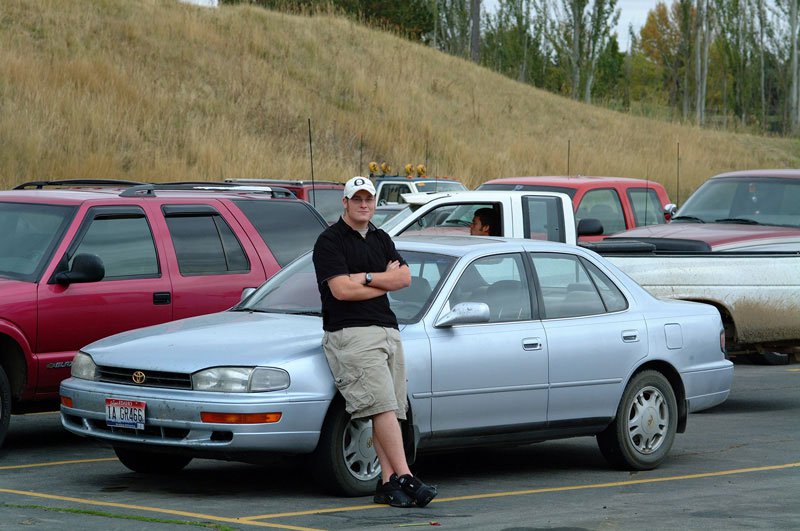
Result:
{"points": [[170, 380]]}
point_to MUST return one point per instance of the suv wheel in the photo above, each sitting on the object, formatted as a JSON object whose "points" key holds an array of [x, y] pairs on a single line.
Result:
{"points": [[5, 405]]}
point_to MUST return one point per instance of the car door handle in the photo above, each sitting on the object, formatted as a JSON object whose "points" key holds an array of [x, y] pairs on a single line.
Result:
{"points": [[162, 297], [630, 336], [532, 343]]}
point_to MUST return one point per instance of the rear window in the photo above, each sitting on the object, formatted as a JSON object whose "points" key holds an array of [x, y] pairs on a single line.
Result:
{"points": [[28, 235], [528, 188], [328, 202], [289, 228]]}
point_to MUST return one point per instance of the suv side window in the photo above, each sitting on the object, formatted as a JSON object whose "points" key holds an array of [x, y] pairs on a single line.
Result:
{"points": [[603, 205], [542, 218], [647, 209], [289, 228], [328, 202], [203, 241], [123, 241]]}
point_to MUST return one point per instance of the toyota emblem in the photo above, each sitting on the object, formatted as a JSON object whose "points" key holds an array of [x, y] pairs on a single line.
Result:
{"points": [[138, 377]]}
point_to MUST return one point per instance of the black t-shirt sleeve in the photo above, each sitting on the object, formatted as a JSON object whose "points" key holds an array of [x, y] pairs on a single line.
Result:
{"points": [[329, 258]]}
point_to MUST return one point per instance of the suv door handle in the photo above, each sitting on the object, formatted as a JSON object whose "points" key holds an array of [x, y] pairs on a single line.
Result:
{"points": [[162, 297]]}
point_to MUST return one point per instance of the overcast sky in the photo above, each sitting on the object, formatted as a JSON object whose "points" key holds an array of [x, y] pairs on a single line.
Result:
{"points": [[631, 12]]}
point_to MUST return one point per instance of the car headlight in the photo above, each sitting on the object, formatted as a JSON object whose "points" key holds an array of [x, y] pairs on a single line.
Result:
{"points": [[241, 379], [83, 367]]}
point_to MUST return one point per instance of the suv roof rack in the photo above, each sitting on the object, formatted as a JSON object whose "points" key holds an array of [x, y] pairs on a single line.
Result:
{"points": [[38, 185], [149, 189], [295, 182]]}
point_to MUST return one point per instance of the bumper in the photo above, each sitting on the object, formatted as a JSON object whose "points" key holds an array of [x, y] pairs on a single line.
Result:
{"points": [[708, 387], [173, 419]]}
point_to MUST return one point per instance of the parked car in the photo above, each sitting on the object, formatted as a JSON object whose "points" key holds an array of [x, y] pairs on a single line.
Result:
{"points": [[506, 341], [384, 213], [325, 196], [81, 260], [390, 189], [752, 210], [619, 203]]}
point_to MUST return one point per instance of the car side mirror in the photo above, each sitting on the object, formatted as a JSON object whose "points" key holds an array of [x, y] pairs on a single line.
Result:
{"points": [[670, 209], [589, 227], [85, 268], [246, 292], [465, 313]]}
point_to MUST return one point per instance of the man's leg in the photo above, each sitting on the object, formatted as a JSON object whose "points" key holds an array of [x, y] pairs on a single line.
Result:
{"points": [[388, 441]]}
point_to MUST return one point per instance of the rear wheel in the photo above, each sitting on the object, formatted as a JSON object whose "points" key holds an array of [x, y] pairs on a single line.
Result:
{"points": [[151, 462], [644, 429], [5, 405], [345, 461]]}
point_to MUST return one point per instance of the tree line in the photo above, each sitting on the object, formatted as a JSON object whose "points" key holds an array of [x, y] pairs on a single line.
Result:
{"points": [[724, 63]]}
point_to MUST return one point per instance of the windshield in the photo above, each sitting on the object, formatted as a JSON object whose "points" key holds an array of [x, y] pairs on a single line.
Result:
{"points": [[439, 186], [752, 200], [294, 288], [28, 235]]}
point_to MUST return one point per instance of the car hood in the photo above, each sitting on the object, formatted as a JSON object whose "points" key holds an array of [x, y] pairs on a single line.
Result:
{"points": [[226, 338], [715, 234]]}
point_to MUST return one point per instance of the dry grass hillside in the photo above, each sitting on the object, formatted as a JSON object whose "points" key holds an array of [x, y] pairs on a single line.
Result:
{"points": [[159, 90]]}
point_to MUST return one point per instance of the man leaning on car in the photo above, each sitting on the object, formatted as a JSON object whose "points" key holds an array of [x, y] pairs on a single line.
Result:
{"points": [[356, 265]]}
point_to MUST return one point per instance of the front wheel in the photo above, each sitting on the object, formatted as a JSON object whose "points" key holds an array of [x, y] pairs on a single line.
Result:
{"points": [[345, 461], [644, 429], [151, 462], [5, 405]]}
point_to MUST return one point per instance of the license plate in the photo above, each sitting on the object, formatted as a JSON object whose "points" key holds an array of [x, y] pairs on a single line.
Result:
{"points": [[123, 413]]}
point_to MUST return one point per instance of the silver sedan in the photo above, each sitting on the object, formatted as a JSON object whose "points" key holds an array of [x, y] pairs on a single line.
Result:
{"points": [[507, 342]]}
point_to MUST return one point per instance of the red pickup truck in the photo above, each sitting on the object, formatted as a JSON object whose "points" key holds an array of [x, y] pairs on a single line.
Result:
{"points": [[81, 260], [744, 211], [619, 203]]}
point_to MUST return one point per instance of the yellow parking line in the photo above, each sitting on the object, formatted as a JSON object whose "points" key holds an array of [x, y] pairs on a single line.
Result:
{"points": [[536, 491], [154, 510], [793, 370], [56, 463]]}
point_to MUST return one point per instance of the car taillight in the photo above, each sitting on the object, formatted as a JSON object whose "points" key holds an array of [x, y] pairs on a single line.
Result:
{"points": [[722, 340]]}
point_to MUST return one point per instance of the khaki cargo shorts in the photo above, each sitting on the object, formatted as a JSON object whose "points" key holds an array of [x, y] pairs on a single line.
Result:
{"points": [[368, 367]]}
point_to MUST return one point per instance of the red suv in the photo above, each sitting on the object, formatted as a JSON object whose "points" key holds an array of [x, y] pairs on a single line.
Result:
{"points": [[81, 260], [325, 196], [619, 203]]}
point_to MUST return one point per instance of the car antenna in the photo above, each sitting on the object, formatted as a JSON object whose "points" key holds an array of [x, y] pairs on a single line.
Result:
{"points": [[311, 156], [646, 192]]}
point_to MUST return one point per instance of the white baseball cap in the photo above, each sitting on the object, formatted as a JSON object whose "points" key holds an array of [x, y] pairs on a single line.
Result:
{"points": [[358, 183]]}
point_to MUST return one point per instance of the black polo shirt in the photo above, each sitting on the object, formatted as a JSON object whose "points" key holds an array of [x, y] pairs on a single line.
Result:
{"points": [[340, 250]]}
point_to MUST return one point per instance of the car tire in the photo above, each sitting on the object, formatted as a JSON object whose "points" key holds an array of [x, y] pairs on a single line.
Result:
{"points": [[345, 462], [5, 405], [151, 462], [644, 428]]}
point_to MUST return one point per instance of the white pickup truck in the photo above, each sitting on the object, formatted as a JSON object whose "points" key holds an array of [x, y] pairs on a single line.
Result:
{"points": [[757, 294]]}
